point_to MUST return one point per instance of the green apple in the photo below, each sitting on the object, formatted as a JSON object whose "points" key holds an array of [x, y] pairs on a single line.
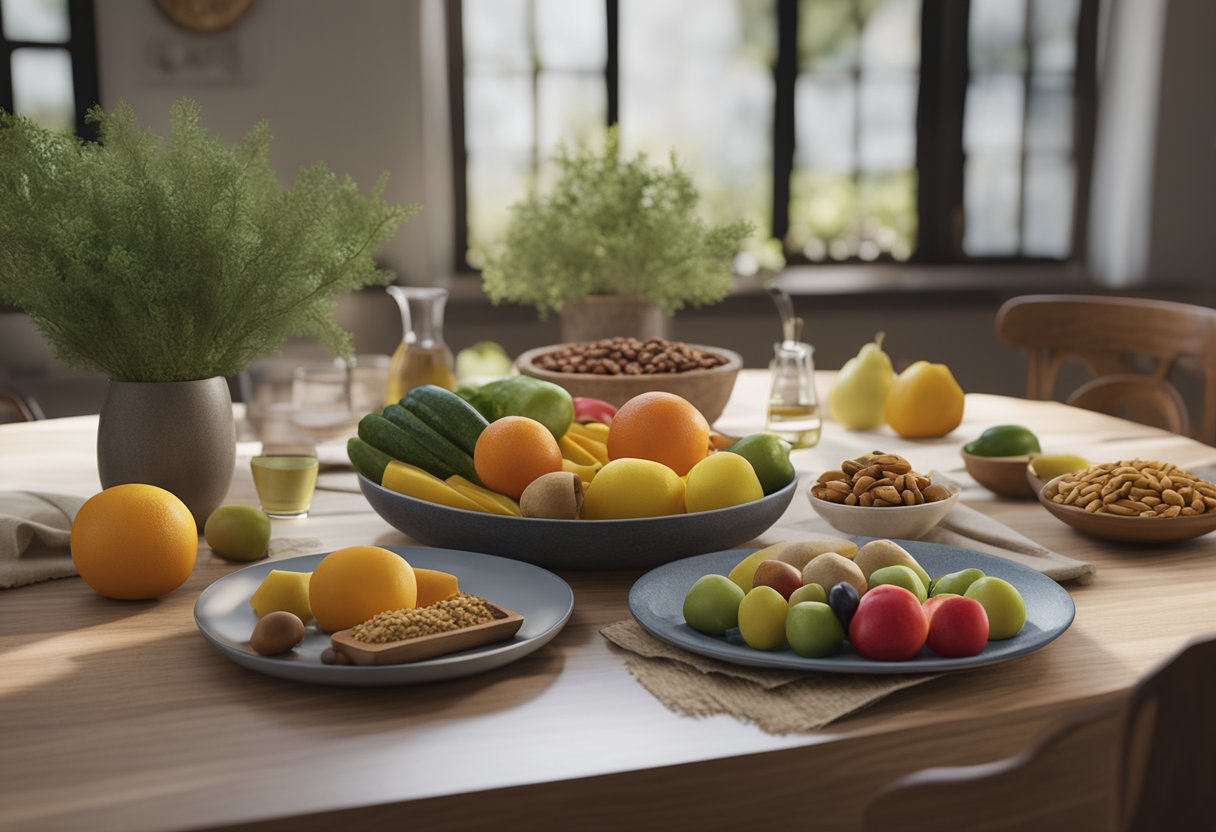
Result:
{"points": [[239, 533], [769, 456], [809, 592], [712, 604], [813, 630], [900, 576], [956, 583], [1004, 605]]}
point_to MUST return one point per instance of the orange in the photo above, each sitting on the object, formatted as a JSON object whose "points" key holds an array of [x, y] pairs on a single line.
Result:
{"points": [[513, 451], [661, 427], [924, 401], [134, 542], [354, 584]]}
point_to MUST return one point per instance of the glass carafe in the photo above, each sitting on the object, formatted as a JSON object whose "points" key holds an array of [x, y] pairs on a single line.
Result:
{"points": [[422, 357], [793, 404]]}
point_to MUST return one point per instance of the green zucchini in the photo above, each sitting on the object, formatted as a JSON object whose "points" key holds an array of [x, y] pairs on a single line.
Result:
{"points": [[369, 461], [447, 414], [433, 442], [389, 438]]}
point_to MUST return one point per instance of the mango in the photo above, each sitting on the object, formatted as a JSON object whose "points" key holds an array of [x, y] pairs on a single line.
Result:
{"points": [[586, 473], [598, 450], [491, 501], [575, 452], [282, 591], [434, 586]]}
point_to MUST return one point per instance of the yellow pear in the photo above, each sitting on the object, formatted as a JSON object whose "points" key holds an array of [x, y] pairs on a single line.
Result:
{"points": [[857, 398], [924, 401]]}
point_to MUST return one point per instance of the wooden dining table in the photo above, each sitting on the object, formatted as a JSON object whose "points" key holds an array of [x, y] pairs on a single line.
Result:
{"points": [[120, 716]]}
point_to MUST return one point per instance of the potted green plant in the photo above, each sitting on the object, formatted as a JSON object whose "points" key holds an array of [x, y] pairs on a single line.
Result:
{"points": [[616, 247], [170, 263]]}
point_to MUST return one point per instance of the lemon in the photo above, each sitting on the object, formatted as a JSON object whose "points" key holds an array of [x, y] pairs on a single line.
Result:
{"points": [[238, 533], [721, 480], [925, 401], [1050, 466], [631, 487]]}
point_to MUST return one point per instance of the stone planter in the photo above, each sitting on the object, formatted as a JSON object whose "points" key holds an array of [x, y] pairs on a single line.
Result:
{"points": [[178, 435], [606, 316]]}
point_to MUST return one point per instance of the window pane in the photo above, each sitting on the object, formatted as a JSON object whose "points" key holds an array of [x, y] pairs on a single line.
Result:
{"points": [[823, 212], [887, 210], [572, 108], [495, 182], [1050, 117], [823, 118], [498, 112], [891, 37], [1048, 209], [827, 34], [993, 116], [990, 195], [496, 35], [1053, 34], [995, 37], [41, 21], [696, 76], [42, 87], [571, 34], [888, 124]]}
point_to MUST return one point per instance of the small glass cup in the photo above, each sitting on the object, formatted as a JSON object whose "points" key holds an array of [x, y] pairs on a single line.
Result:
{"points": [[793, 403], [285, 483]]}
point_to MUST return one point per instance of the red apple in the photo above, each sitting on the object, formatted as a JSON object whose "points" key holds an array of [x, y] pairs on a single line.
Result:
{"points": [[781, 576], [934, 602], [889, 624], [957, 627]]}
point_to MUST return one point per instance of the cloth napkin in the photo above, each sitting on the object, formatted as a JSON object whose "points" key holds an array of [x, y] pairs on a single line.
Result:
{"points": [[35, 536], [963, 527], [776, 701]]}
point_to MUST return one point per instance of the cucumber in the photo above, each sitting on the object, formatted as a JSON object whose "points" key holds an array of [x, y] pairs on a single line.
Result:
{"points": [[369, 461], [450, 456], [387, 437], [447, 414]]}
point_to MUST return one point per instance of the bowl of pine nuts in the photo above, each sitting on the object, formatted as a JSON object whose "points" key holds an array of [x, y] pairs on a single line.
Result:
{"points": [[1136, 500], [879, 495], [617, 369]]}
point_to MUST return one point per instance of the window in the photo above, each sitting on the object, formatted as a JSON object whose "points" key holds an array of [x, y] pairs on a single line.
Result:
{"points": [[852, 130], [48, 61]]}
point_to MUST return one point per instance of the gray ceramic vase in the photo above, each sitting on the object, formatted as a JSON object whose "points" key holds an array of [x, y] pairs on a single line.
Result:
{"points": [[178, 435]]}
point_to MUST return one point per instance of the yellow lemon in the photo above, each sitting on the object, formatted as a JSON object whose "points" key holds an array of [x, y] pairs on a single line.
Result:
{"points": [[721, 480], [924, 401], [1050, 466], [630, 487]]}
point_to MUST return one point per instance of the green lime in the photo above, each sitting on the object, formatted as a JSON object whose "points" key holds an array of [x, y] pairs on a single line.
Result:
{"points": [[238, 532], [1004, 440]]}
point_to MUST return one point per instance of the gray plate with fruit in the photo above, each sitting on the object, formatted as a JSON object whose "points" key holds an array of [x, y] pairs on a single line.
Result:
{"points": [[657, 599]]}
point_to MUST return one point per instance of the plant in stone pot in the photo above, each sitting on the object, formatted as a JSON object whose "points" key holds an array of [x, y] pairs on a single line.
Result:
{"points": [[168, 263], [613, 240]]}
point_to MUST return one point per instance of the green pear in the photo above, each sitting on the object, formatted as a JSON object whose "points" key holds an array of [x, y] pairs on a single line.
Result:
{"points": [[859, 395]]}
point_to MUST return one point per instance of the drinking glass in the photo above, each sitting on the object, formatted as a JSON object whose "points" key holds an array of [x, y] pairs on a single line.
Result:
{"points": [[285, 483]]}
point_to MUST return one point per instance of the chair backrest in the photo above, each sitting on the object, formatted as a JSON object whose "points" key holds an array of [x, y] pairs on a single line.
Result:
{"points": [[24, 406], [1140, 766], [1104, 333]]}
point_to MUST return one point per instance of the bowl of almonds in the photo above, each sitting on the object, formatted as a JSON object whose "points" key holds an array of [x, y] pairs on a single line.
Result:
{"points": [[1134, 500], [880, 495], [617, 369]]}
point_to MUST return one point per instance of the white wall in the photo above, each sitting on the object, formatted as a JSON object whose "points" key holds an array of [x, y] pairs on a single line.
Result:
{"points": [[339, 82]]}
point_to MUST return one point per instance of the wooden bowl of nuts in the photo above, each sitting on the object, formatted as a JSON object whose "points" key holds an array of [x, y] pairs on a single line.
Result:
{"points": [[879, 495], [1140, 501], [617, 369]]}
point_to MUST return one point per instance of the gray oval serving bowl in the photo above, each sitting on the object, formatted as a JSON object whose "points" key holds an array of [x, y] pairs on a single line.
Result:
{"points": [[579, 544]]}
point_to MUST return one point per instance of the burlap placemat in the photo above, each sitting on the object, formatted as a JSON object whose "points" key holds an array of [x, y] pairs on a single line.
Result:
{"points": [[776, 701]]}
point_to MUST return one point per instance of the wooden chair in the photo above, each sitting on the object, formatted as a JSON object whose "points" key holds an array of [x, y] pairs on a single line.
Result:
{"points": [[1138, 766], [1105, 334], [26, 407]]}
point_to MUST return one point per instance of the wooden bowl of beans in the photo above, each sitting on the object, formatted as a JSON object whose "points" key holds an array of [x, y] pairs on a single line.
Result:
{"points": [[617, 369]]}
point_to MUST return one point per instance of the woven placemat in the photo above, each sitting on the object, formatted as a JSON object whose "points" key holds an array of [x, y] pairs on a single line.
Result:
{"points": [[776, 701]]}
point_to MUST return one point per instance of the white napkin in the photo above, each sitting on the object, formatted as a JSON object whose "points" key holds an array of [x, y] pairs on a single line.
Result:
{"points": [[35, 537]]}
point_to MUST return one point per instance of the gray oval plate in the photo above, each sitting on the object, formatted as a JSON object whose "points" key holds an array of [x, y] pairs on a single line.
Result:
{"points": [[225, 619], [579, 544], [657, 602]]}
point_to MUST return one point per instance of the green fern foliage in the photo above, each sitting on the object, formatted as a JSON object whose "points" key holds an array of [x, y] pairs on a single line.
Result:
{"points": [[613, 227], [153, 258]]}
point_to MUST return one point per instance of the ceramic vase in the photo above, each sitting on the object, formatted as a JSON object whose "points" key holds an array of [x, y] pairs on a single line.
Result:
{"points": [[607, 316], [178, 435]]}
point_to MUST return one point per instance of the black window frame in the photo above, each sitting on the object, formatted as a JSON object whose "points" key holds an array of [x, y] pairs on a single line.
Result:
{"points": [[81, 45], [940, 159]]}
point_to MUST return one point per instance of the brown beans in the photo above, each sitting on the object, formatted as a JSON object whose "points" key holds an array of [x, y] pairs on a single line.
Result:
{"points": [[628, 356], [1137, 488]]}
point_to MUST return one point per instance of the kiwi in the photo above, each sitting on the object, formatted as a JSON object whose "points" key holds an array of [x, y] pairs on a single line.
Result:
{"points": [[555, 496]]}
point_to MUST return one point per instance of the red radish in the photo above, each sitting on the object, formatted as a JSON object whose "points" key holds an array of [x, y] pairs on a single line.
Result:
{"points": [[593, 410]]}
